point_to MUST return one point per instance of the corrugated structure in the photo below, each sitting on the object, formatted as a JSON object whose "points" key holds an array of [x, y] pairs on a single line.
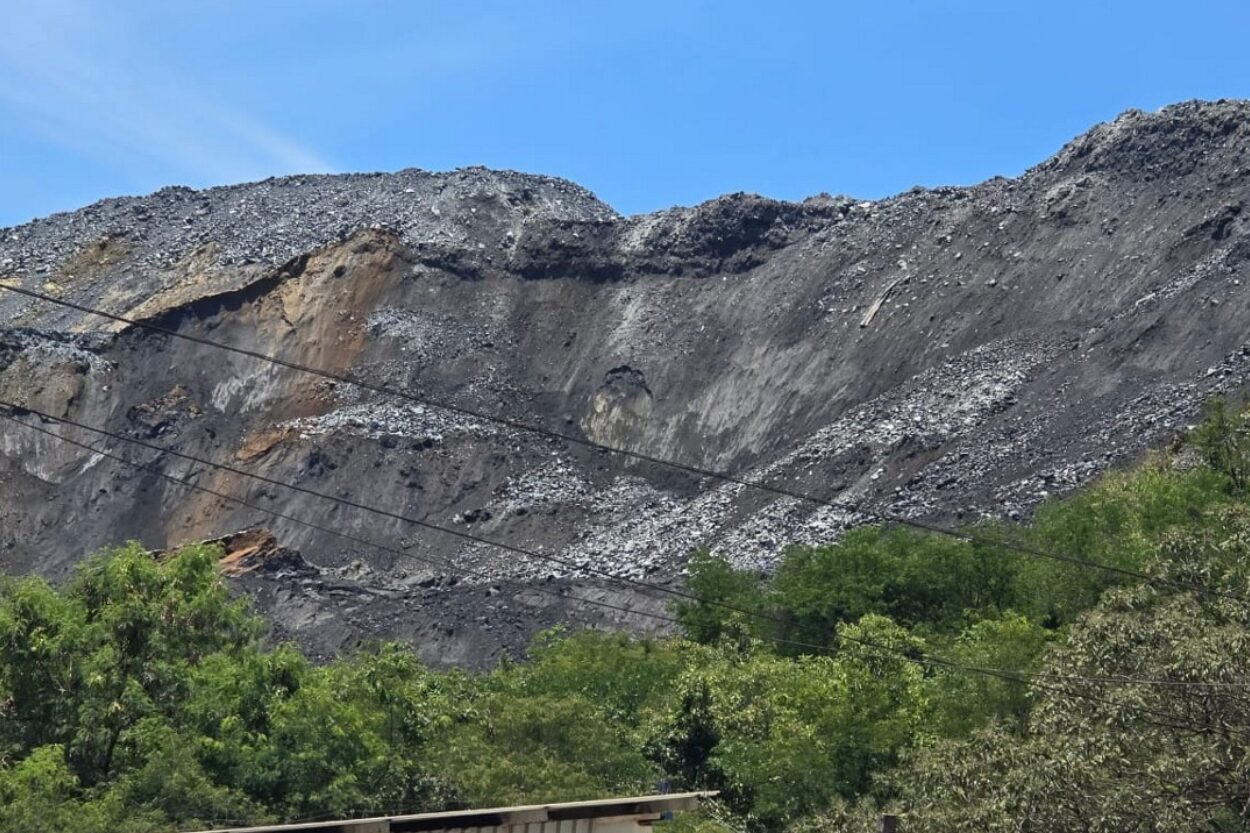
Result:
{"points": [[609, 815]]}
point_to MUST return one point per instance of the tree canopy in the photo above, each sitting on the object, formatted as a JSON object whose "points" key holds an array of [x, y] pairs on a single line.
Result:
{"points": [[142, 695]]}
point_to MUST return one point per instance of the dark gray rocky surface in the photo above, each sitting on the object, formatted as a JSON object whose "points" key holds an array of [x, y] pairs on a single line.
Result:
{"points": [[944, 354]]}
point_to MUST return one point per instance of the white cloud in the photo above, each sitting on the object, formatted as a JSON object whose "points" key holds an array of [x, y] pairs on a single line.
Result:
{"points": [[79, 78]]}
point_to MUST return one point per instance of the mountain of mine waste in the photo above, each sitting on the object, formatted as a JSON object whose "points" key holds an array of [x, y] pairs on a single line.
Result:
{"points": [[946, 354]]}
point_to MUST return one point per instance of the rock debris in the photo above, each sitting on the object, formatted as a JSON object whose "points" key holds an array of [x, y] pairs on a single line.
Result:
{"points": [[948, 354]]}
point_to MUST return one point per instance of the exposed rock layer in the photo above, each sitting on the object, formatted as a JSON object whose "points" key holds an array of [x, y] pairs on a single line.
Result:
{"points": [[942, 354]]}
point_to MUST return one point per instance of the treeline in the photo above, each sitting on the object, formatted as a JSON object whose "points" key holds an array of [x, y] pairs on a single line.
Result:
{"points": [[960, 684]]}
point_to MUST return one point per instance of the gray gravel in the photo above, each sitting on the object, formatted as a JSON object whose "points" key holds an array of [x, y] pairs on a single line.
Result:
{"points": [[946, 354]]}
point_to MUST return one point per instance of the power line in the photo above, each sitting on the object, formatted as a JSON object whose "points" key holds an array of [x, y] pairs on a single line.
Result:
{"points": [[386, 513], [519, 425], [1123, 680], [924, 661], [189, 483]]}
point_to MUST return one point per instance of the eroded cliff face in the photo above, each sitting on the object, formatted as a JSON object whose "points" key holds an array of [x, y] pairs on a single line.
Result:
{"points": [[945, 353]]}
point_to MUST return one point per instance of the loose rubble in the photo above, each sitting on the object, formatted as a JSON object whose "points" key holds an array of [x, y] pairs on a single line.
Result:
{"points": [[947, 354]]}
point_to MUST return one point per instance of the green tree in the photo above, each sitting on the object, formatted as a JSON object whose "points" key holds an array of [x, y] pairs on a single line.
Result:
{"points": [[526, 749], [1101, 750], [788, 736], [43, 795], [1118, 521], [916, 578], [1223, 439], [83, 668], [168, 783], [623, 675], [719, 589], [964, 701]]}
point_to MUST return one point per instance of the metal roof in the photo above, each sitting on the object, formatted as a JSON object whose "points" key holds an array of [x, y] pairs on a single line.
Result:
{"points": [[495, 816]]}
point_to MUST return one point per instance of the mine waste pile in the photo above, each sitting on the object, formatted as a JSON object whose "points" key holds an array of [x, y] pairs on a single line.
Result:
{"points": [[945, 354]]}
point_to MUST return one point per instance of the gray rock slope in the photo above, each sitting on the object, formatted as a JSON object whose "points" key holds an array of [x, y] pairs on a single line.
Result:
{"points": [[942, 354]]}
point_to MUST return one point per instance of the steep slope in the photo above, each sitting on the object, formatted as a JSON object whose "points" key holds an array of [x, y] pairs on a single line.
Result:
{"points": [[944, 353]]}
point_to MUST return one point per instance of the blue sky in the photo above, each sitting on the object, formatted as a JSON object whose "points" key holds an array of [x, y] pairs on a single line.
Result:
{"points": [[649, 104]]}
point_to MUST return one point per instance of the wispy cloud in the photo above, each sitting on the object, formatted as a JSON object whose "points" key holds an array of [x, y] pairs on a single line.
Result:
{"points": [[79, 78]]}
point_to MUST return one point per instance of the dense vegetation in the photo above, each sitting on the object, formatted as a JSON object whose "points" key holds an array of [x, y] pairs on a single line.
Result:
{"points": [[141, 696]]}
